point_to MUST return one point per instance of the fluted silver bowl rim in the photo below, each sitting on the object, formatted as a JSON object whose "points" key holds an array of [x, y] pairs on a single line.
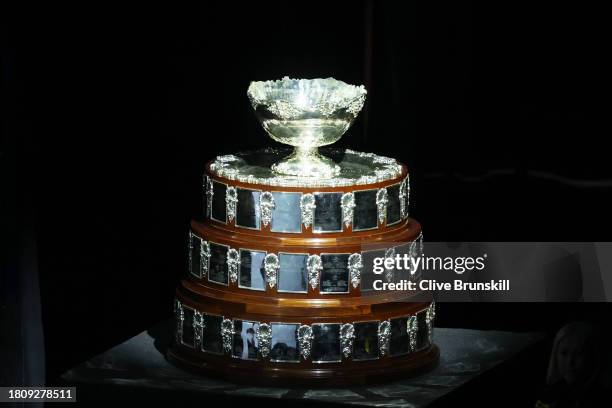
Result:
{"points": [[290, 98]]}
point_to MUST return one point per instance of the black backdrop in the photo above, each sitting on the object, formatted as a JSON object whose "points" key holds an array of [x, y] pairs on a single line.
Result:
{"points": [[112, 111]]}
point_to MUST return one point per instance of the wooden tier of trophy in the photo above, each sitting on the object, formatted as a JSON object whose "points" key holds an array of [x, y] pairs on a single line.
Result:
{"points": [[282, 284]]}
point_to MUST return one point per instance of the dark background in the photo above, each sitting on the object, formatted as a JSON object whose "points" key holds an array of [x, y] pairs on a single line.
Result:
{"points": [[109, 113]]}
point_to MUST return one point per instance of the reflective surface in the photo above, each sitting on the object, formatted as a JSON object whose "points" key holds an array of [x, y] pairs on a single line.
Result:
{"points": [[254, 167], [306, 114]]}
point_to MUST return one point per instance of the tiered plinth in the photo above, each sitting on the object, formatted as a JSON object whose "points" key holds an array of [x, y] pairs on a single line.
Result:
{"points": [[281, 283]]}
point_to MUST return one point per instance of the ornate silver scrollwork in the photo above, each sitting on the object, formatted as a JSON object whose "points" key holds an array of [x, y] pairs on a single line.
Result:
{"points": [[403, 193], [266, 205], [389, 272], [347, 335], [314, 265], [233, 264], [381, 204], [227, 334], [209, 196], [307, 208], [305, 340], [354, 266], [198, 324], [421, 245], [412, 329], [407, 205], [189, 251], [180, 317], [429, 319], [384, 335], [271, 266], [264, 339], [204, 257], [231, 198], [348, 208]]}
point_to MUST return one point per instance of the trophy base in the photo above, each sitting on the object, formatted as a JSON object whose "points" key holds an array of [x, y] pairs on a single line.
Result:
{"points": [[306, 163]]}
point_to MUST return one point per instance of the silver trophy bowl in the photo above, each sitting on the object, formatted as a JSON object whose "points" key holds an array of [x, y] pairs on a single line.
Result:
{"points": [[306, 114]]}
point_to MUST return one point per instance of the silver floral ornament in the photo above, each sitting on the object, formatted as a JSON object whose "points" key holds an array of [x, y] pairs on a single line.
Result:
{"points": [[305, 341], [233, 264], [354, 266], [381, 204], [347, 202], [314, 265], [271, 266], [264, 338], [347, 335], [384, 335], [231, 198], [307, 208], [227, 334], [266, 205]]}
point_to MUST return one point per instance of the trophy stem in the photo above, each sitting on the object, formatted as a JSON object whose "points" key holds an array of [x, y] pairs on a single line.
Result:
{"points": [[306, 162]]}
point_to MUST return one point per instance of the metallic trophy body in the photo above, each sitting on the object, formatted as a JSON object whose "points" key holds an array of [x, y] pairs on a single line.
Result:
{"points": [[306, 114]]}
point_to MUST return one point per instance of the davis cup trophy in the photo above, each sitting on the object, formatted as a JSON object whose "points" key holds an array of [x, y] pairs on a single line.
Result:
{"points": [[281, 286]]}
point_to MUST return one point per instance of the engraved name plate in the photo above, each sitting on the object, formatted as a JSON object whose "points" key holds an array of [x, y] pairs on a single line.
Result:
{"points": [[399, 344], [286, 214], [195, 255], [365, 346], [422, 334], [335, 273], [285, 344], [219, 209], [367, 274], [245, 345], [212, 342], [218, 270], [326, 343], [393, 205], [328, 212], [293, 274], [252, 272], [188, 329], [365, 214], [247, 210]]}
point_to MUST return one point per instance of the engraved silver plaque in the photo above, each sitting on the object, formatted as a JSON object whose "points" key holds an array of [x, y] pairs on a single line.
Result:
{"points": [[252, 272], [326, 343], [366, 344], [293, 273], [285, 343]]}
